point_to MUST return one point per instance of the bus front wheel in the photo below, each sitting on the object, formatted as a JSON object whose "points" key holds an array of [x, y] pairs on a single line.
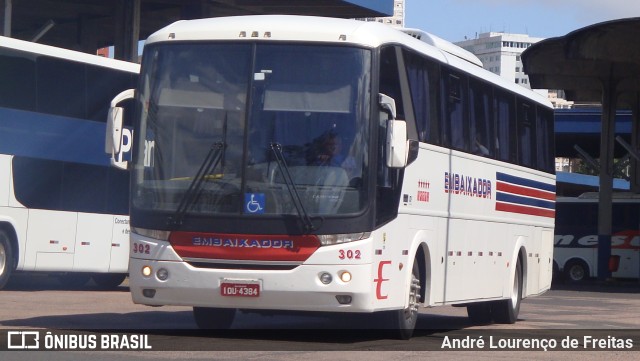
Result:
{"points": [[6, 258], [208, 318], [403, 321]]}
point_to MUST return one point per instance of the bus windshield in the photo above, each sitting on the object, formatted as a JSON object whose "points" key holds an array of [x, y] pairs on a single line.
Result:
{"points": [[241, 128]]}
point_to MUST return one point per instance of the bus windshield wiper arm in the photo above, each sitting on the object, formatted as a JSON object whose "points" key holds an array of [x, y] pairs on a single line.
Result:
{"points": [[208, 165], [291, 186]]}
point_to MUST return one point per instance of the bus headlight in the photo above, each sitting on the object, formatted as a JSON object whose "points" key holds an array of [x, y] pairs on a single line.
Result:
{"points": [[147, 271], [345, 276], [331, 239]]}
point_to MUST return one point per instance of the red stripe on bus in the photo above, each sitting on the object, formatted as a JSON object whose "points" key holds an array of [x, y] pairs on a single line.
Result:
{"points": [[513, 208], [523, 191], [244, 247]]}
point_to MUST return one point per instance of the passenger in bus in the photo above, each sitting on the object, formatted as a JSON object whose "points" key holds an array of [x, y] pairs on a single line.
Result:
{"points": [[480, 149]]}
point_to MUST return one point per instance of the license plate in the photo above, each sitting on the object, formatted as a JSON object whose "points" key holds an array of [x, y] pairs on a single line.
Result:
{"points": [[234, 289]]}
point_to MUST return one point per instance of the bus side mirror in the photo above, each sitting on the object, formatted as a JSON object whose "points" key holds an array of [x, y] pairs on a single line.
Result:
{"points": [[396, 144], [387, 104], [117, 139]]}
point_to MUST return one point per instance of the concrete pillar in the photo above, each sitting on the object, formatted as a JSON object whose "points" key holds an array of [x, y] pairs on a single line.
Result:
{"points": [[6, 13], [634, 176], [609, 98], [127, 23]]}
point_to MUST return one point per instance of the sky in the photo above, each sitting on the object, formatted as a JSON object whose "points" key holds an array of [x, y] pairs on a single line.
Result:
{"points": [[453, 20]]}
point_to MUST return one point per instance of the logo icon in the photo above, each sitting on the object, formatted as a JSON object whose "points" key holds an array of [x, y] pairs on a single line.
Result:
{"points": [[23, 340]]}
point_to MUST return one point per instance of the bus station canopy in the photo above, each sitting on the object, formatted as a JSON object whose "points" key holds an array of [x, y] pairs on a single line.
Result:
{"points": [[87, 25], [598, 63], [583, 61]]}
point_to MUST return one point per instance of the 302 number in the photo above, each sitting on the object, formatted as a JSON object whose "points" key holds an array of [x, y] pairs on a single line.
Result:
{"points": [[141, 248], [349, 254]]}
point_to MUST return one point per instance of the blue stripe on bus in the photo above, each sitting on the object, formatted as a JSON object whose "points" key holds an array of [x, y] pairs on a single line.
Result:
{"points": [[535, 202], [53, 137], [525, 182]]}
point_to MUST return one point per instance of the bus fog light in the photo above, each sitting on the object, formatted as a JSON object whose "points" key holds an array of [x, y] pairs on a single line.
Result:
{"points": [[147, 271], [345, 276], [326, 278], [149, 292], [162, 274], [343, 299]]}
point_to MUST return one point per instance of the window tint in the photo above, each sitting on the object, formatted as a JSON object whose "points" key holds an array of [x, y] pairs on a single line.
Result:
{"points": [[61, 87], [506, 126], [17, 81], [423, 83], [545, 139], [455, 123], [480, 119], [72, 187], [526, 135], [389, 81], [389, 181]]}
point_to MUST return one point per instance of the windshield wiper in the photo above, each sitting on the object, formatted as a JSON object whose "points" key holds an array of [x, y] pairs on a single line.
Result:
{"points": [[191, 195], [291, 186]]}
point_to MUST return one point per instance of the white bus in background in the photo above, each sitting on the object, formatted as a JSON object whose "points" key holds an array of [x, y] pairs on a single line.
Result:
{"points": [[576, 237], [63, 210], [348, 167]]}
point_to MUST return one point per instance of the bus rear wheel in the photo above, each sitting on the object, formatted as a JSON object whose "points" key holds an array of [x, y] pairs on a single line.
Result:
{"points": [[506, 311], [74, 280], [208, 318], [6, 258], [479, 313]]}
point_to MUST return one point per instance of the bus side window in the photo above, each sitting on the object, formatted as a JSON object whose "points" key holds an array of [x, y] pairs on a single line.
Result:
{"points": [[456, 126], [481, 122], [423, 79], [388, 187], [526, 135]]}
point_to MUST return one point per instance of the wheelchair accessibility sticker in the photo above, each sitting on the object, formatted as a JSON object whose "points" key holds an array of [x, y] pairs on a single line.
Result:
{"points": [[254, 203]]}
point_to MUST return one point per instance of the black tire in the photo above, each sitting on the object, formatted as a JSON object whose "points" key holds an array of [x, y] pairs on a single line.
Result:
{"points": [[576, 271], [479, 313], [74, 279], [214, 318], [6, 259], [556, 275], [403, 322], [506, 311], [108, 280]]}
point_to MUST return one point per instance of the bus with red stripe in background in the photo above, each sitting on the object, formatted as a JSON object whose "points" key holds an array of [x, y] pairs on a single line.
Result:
{"points": [[347, 168], [576, 237]]}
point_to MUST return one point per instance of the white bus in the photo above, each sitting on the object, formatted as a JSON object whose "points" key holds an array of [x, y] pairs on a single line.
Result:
{"points": [[576, 237], [63, 209], [317, 164]]}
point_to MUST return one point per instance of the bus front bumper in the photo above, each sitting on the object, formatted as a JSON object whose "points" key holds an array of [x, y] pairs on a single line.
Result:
{"points": [[299, 289]]}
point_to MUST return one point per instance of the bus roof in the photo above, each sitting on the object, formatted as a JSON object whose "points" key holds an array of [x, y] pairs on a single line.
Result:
{"points": [[333, 30], [70, 55]]}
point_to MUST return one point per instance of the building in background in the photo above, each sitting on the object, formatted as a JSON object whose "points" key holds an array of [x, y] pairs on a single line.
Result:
{"points": [[396, 20], [500, 53]]}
